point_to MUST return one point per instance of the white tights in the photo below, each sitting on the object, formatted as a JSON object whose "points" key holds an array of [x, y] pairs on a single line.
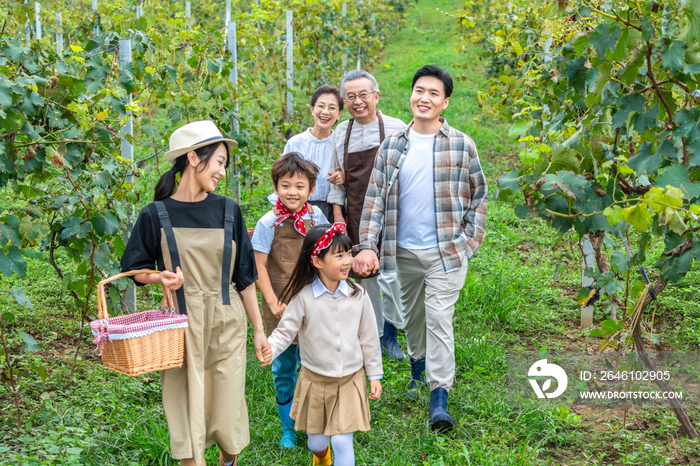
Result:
{"points": [[343, 449]]}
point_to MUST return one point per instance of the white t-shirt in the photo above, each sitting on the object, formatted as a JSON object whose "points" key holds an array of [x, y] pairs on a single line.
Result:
{"points": [[416, 222], [264, 232]]}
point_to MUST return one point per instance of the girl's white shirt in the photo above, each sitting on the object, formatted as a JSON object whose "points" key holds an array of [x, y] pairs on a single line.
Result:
{"points": [[337, 331]]}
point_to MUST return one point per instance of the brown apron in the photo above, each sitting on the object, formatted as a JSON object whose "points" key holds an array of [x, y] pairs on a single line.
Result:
{"points": [[358, 168], [281, 261]]}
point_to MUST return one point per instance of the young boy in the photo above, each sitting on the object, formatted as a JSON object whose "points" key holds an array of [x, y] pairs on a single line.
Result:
{"points": [[277, 242]]}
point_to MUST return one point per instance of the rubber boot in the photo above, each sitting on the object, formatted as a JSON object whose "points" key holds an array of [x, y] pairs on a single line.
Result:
{"points": [[324, 460], [439, 419], [417, 378], [390, 342], [289, 437]]}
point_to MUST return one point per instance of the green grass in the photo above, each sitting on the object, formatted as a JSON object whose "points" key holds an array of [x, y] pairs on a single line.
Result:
{"points": [[510, 303]]}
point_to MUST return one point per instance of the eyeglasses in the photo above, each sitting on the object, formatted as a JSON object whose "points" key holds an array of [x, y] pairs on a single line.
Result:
{"points": [[364, 95], [321, 107]]}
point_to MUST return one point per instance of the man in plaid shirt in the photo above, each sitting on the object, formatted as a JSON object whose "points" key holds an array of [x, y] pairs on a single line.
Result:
{"points": [[428, 196]]}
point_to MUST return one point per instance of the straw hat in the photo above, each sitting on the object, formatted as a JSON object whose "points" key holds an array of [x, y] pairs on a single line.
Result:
{"points": [[195, 135]]}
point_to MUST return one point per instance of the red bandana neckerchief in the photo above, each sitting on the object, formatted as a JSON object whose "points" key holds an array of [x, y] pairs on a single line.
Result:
{"points": [[286, 213], [325, 240]]}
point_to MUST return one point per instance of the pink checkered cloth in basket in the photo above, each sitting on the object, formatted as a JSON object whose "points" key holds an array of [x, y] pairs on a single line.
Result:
{"points": [[134, 325]]}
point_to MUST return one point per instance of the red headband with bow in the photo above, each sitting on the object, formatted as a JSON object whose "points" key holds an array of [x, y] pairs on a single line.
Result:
{"points": [[325, 240]]}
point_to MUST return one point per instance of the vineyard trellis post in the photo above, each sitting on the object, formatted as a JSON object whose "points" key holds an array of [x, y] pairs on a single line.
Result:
{"points": [[139, 10], [228, 12], [345, 51], [359, 55], [586, 280], [547, 56], [59, 33], [188, 15], [127, 149], [233, 77], [37, 16], [290, 64], [94, 9]]}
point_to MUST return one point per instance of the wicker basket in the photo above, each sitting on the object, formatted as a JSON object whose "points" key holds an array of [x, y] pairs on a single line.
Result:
{"points": [[143, 342]]}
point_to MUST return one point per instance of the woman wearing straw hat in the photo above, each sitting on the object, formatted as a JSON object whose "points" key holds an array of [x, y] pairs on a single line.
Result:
{"points": [[199, 241]]}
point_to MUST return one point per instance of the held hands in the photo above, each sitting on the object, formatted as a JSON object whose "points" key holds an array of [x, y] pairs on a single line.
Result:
{"points": [[336, 178], [375, 389], [365, 262], [172, 281], [277, 308], [263, 351]]}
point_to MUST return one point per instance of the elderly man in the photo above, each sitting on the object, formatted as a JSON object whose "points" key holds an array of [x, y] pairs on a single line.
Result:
{"points": [[428, 196], [355, 146]]}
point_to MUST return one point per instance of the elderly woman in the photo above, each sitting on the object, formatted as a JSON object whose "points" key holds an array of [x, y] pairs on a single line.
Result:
{"points": [[316, 145]]}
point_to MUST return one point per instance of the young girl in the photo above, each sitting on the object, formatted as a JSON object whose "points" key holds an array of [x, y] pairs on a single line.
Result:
{"points": [[338, 334], [200, 243]]}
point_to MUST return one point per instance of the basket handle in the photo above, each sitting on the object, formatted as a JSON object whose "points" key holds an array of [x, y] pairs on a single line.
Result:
{"points": [[102, 301]]}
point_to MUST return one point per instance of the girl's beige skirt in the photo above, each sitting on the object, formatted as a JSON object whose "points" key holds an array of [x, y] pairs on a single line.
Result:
{"points": [[329, 405]]}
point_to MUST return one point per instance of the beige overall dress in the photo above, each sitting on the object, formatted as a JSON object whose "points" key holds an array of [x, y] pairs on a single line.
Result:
{"points": [[281, 262], [204, 400]]}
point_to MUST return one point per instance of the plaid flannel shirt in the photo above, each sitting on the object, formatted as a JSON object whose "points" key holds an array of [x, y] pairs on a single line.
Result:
{"points": [[460, 198]]}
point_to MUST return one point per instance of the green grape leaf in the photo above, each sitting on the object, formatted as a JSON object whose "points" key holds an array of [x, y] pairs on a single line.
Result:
{"points": [[668, 151], [647, 120], [638, 216], [691, 32], [12, 262], [632, 67], [602, 79], [677, 176], [107, 224], [602, 39], [627, 104], [509, 181], [620, 52], [30, 344], [73, 226], [645, 160], [5, 94], [33, 230], [675, 223], [577, 74], [618, 260], [21, 298], [519, 127], [673, 57]]}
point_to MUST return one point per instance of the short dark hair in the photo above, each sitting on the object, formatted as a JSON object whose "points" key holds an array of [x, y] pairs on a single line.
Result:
{"points": [[292, 163], [327, 89], [436, 72]]}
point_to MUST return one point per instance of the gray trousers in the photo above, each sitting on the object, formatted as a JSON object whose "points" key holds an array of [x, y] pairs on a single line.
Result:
{"points": [[385, 293], [428, 296]]}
